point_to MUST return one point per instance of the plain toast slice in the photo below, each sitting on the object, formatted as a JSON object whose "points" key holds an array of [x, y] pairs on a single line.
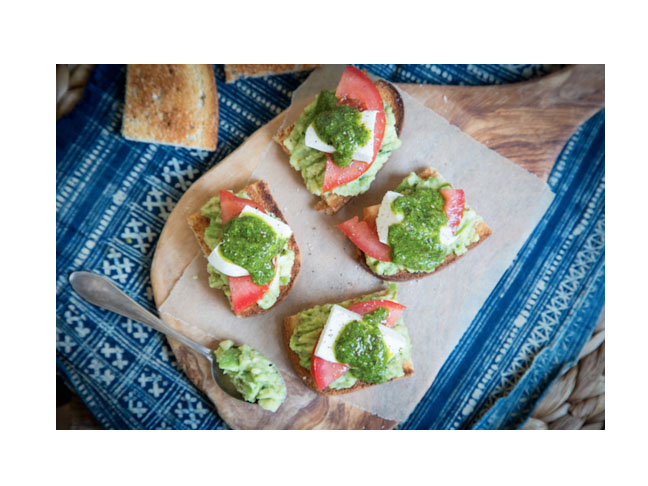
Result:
{"points": [[259, 193], [172, 104]]}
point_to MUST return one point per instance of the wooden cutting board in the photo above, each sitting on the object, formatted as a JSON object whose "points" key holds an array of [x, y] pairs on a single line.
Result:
{"points": [[527, 122]]}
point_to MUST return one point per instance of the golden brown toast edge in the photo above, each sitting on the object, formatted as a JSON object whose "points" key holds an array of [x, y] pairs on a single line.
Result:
{"points": [[239, 71], [260, 193], [402, 275], [287, 331], [333, 202]]}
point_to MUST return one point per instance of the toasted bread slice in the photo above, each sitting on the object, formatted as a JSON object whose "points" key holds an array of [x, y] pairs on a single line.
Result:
{"points": [[403, 275], [332, 203], [238, 71], [172, 104], [259, 193], [289, 325]]}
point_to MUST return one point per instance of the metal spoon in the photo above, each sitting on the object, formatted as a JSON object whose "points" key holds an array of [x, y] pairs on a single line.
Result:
{"points": [[102, 292]]}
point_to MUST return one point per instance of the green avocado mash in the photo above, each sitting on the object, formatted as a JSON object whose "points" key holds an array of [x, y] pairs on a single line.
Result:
{"points": [[214, 234], [252, 374], [312, 163], [415, 242], [312, 321], [340, 127]]}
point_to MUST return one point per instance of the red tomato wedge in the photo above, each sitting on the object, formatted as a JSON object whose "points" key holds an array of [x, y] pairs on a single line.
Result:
{"points": [[335, 176], [455, 202], [245, 293], [357, 90], [364, 236], [395, 310], [355, 85], [325, 372], [232, 205]]}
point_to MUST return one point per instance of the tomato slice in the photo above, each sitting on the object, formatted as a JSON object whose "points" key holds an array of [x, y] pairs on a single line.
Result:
{"points": [[455, 202], [232, 205], [335, 175], [357, 90], [325, 372], [355, 85], [245, 293], [395, 309], [365, 237]]}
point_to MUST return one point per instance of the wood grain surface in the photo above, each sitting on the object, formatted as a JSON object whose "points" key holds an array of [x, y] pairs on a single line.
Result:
{"points": [[528, 123]]}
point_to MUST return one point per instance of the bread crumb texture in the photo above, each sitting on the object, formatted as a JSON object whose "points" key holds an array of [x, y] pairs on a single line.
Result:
{"points": [[173, 104]]}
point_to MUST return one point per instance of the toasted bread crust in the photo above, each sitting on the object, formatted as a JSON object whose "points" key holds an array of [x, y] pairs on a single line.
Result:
{"points": [[238, 71], [403, 275], [333, 203], [174, 104], [259, 193], [289, 325]]}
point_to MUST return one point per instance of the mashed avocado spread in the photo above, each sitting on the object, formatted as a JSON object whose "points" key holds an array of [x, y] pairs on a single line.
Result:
{"points": [[252, 374], [311, 322], [415, 242], [257, 260], [312, 163]]}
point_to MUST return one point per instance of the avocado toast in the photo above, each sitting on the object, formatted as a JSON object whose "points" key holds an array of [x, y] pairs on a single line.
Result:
{"points": [[207, 225], [302, 334], [447, 231], [338, 184]]}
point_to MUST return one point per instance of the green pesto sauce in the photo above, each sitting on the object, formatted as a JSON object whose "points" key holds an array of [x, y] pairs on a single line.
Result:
{"points": [[415, 241], [339, 126], [251, 243], [360, 344]]}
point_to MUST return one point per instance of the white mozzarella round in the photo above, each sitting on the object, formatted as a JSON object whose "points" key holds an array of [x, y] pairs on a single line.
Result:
{"points": [[281, 228], [386, 217], [365, 152], [225, 266], [337, 319], [393, 339], [313, 141], [446, 235]]}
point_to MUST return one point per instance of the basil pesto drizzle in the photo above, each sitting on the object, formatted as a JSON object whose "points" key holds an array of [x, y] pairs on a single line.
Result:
{"points": [[251, 243], [339, 126], [415, 241], [360, 344]]}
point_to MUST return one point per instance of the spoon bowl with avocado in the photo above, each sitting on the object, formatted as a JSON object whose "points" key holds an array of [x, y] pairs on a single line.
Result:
{"points": [[240, 371]]}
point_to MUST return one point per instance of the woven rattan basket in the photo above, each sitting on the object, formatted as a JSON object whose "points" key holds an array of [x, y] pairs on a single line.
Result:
{"points": [[575, 401]]}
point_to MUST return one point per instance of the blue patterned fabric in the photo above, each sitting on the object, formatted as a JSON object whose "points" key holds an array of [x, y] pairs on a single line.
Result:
{"points": [[114, 196]]}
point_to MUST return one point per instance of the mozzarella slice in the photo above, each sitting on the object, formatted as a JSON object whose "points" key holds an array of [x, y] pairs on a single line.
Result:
{"points": [[225, 266], [313, 141], [446, 236], [393, 339], [386, 217], [363, 153], [281, 228], [337, 319]]}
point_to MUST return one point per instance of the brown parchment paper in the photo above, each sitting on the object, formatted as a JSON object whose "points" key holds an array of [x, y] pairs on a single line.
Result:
{"points": [[439, 307]]}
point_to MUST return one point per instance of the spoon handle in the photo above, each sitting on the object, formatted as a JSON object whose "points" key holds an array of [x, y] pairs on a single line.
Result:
{"points": [[102, 292]]}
